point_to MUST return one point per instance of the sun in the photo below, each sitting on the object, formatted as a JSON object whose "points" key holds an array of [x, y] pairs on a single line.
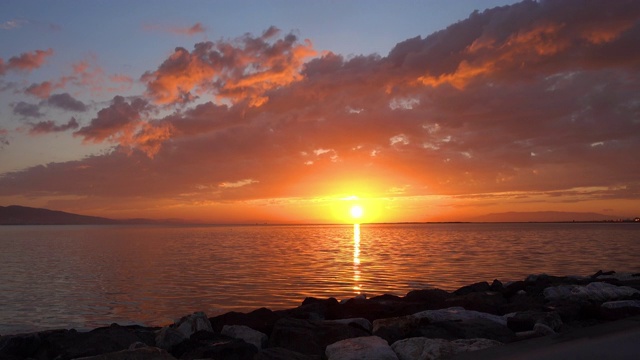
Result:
{"points": [[356, 211]]}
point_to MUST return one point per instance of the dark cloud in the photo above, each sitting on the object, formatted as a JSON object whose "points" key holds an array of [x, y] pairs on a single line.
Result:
{"points": [[114, 121], [45, 127], [27, 110], [66, 102]]}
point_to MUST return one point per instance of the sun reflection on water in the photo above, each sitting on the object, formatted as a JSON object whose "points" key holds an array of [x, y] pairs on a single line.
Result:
{"points": [[356, 259]]}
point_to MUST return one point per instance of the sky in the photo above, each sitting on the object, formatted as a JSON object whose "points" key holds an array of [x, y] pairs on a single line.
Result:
{"points": [[295, 111]]}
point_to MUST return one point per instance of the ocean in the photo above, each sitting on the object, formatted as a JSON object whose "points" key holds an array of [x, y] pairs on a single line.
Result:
{"points": [[83, 277]]}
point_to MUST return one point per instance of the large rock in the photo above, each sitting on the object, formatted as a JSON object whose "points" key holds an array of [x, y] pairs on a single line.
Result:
{"points": [[483, 301], [477, 287], [595, 291], [193, 323], [459, 314], [374, 308], [421, 348], [234, 349], [615, 310], [466, 329], [360, 348], [362, 323], [450, 324], [168, 337], [70, 344], [261, 320], [134, 353], [310, 337], [317, 309], [181, 330], [526, 320], [431, 298], [283, 354], [247, 334], [394, 329]]}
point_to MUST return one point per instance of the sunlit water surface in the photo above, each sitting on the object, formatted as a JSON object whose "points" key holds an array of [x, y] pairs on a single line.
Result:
{"points": [[87, 276]]}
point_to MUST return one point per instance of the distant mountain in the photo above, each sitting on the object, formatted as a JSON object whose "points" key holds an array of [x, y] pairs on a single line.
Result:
{"points": [[22, 215], [543, 216]]}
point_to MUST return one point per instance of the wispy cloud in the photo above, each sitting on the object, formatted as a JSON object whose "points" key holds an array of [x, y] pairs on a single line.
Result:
{"points": [[13, 24], [195, 29], [49, 126]]}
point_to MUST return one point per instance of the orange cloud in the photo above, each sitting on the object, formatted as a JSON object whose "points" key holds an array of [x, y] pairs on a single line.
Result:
{"points": [[537, 40], [238, 70], [26, 61]]}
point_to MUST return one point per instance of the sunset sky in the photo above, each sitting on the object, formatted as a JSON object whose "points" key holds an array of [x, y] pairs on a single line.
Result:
{"points": [[294, 111]]}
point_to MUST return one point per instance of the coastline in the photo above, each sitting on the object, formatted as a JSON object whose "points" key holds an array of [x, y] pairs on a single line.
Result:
{"points": [[438, 322]]}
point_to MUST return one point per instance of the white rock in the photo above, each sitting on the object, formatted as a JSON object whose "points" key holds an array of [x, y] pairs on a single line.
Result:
{"points": [[247, 334], [361, 322], [421, 348], [458, 313], [595, 291], [360, 348]]}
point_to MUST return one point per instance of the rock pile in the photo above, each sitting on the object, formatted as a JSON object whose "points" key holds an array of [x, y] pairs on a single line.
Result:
{"points": [[424, 324]]}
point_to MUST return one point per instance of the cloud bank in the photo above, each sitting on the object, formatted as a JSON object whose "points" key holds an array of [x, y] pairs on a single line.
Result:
{"points": [[537, 98]]}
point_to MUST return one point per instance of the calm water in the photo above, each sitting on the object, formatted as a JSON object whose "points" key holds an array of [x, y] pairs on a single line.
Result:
{"points": [[89, 276]]}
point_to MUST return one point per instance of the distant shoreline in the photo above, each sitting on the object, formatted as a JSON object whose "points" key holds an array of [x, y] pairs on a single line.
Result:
{"points": [[22, 215]]}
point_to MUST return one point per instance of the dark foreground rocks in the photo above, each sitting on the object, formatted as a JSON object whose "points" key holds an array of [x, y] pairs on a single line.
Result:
{"points": [[424, 324]]}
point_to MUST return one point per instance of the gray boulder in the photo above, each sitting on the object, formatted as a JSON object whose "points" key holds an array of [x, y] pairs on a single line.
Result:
{"points": [[361, 348], [310, 337], [421, 348], [247, 334], [133, 353], [595, 291], [356, 322], [614, 310], [459, 314], [283, 354], [181, 330], [193, 323], [394, 329]]}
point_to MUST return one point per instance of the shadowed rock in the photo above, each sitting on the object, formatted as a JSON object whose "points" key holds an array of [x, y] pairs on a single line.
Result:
{"points": [[261, 320], [283, 354], [246, 334], [425, 348], [133, 353], [367, 347], [310, 337]]}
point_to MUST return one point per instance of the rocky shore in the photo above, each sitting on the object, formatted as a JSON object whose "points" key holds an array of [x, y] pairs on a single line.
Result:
{"points": [[423, 324]]}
